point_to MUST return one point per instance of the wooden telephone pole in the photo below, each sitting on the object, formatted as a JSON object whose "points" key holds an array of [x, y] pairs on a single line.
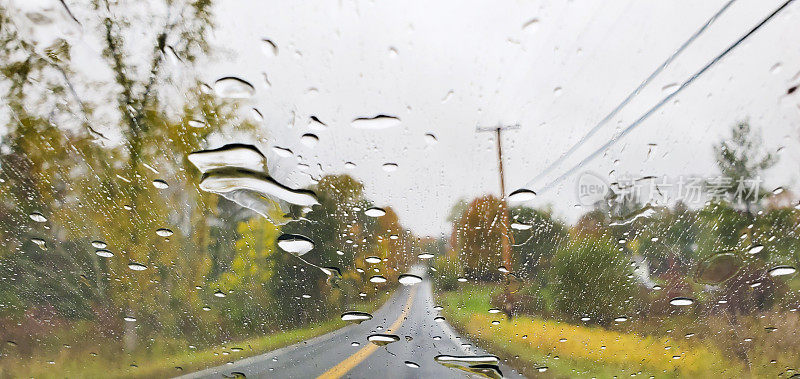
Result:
{"points": [[505, 243]]}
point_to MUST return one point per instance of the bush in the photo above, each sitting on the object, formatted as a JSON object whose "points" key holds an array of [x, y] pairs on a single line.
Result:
{"points": [[590, 278], [448, 270]]}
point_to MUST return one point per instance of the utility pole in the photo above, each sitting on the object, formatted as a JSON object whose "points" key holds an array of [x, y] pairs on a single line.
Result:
{"points": [[505, 243]]}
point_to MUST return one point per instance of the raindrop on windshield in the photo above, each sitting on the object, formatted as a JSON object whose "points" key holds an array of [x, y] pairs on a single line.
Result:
{"points": [[233, 88], [219, 294], [482, 365], [160, 184], [163, 232], [99, 244], [381, 339], [377, 279], [356, 316], [375, 212], [104, 253], [717, 268], [374, 123], [521, 195], [295, 244], [309, 139], [411, 364], [389, 167], [409, 279], [372, 259], [231, 155], [431, 139], [782, 270], [38, 217], [681, 301], [137, 266]]}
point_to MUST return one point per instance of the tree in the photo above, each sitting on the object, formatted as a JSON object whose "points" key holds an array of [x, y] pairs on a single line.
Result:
{"points": [[590, 278], [741, 159], [477, 238]]}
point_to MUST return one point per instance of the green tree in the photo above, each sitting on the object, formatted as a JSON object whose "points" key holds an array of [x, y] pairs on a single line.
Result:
{"points": [[591, 278], [741, 160]]}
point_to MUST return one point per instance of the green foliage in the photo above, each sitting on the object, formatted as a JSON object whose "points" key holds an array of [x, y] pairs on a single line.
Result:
{"points": [[590, 277]]}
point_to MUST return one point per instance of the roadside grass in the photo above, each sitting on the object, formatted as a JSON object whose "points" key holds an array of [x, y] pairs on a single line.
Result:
{"points": [[565, 350], [167, 361]]}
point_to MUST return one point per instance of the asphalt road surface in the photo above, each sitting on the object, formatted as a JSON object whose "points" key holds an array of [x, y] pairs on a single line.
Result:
{"points": [[409, 314]]}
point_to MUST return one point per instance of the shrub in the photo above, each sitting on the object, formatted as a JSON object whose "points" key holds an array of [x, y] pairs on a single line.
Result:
{"points": [[591, 278]]}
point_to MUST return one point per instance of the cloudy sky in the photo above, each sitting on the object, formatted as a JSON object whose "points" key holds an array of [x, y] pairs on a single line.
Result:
{"points": [[554, 68]]}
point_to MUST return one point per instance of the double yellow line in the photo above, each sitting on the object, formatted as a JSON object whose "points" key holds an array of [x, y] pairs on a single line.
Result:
{"points": [[352, 361]]}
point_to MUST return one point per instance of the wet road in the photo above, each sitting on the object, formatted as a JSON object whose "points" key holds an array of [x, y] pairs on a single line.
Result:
{"points": [[409, 313]]}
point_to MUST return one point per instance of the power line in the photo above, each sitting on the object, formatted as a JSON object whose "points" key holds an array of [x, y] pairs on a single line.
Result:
{"points": [[665, 99], [631, 95]]}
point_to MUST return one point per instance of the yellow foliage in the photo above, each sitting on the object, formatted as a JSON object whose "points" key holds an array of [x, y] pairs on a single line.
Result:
{"points": [[607, 347]]}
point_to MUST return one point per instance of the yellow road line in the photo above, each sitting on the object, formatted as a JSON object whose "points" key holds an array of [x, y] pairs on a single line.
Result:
{"points": [[352, 361]]}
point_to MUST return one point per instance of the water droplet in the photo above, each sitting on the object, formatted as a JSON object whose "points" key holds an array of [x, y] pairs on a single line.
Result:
{"points": [[269, 47], [438, 319], [431, 139], [530, 25], [129, 319], [541, 369], [233, 88], [206, 308], [354, 343], [295, 243], [315, 123], [621, 319], [99, 244], [375, 212], [781, 270], [409, 279], [377, 279], [160, 184], [755, 249], [163, 232], [104, 253], [390, 167], [375, 123], [777, 191], [503, 269], [349, 165], [372, 259], [411, 364], [356, 316], [717, 268], [231, 155], [137, 266], [462, 280], [681, 301], [520, 226], [38, 217], [381, 339], [425, 256], [645, 212], [282, 152], [521, 195], [494, 310], [197, 124], [219, 293], [557, 91], [482, 365], [309, 139], [39, 242], [447, 97]]}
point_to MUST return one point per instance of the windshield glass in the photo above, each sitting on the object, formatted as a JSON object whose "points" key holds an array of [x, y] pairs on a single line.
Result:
{"points": [[352, 189]]}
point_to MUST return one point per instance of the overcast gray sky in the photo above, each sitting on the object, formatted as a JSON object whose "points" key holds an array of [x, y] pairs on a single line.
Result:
{"points": [[555, 68]]}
